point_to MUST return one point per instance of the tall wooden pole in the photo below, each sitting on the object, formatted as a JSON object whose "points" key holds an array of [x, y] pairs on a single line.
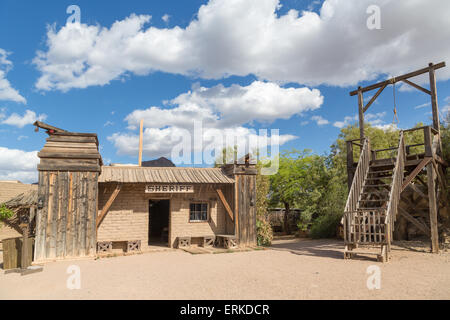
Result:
{"points": [[434, 103], [350, 169], [361, 113], [141, 138], [433, 208]]}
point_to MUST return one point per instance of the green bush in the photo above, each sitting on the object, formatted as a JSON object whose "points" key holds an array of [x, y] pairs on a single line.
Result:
{"points": [[5, 213], [264, 232], [325, 226]]}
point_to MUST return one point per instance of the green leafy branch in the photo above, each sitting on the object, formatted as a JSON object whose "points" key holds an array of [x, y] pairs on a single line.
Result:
{"points": [[5, 213]]}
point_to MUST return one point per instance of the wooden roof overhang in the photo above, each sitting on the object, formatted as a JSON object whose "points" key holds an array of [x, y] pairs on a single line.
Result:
{"points": [[164, 175]]}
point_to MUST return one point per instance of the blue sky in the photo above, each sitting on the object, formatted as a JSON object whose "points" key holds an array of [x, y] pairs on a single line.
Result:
{"points": [[195, 63]]}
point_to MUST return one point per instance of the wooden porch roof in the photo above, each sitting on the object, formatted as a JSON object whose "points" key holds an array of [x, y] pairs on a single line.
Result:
{"points": [[163, 175]]}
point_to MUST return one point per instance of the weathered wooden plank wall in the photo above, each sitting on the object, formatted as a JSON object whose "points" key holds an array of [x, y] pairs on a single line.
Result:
{"points": [[66, 222], [228, 191], [245, 208]]}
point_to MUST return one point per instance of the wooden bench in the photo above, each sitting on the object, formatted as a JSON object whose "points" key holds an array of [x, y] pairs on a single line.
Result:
{"points": [[227, 241], [184, 242], [106, 246], [133, 245], [208, 241]]}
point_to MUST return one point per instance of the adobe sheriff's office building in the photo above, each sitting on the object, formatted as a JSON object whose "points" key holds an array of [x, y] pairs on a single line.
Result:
{"points": [[85, 207], [184, 202]]}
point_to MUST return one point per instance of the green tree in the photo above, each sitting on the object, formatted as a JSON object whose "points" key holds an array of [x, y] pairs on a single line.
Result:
{"points": [[298, 183]]}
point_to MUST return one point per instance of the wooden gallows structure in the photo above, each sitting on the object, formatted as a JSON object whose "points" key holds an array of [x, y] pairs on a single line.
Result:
{"points": [[378, 184]]}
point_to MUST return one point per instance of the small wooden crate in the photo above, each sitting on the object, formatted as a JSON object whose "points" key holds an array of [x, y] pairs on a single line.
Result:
{"points": [[184, 242], [133, 245], [104, 246], [208, 241]]}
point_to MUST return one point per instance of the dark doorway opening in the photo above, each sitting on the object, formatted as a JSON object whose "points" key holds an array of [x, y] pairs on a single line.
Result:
{"points": [[158, 228]]}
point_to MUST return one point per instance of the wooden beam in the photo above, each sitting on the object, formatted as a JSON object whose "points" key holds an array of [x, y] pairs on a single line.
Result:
{"points": [[418, 191], [415, 172], [350, 161], [412, 84], [225, 203], [361, 114], [422, 182], [108, 204], [442, 182], [400, 78], [237, 232], [434, 103], [375, 97], [414, 221], [42, 125], [432, 201]]}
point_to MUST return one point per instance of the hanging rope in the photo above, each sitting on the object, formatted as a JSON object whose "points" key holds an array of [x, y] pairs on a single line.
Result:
{"points": [[395, 104]]}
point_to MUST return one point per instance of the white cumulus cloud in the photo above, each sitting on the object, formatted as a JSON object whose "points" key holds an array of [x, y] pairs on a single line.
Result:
{"points": [[347, 120], [18, 165], [19, 121], [375, 119], [221, 106], [240, 37], [7, 92], [165, 18], [320, 120], [221, 111]]}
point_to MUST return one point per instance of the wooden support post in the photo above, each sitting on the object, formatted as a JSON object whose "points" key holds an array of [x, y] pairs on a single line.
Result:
{"points": [[141, 138], [433, 208], [350, 170], [428, 142], [434, 103], [361, 114], [25, 263]]}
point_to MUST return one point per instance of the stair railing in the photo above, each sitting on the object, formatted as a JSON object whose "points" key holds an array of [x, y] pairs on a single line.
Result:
{"points": [[355, 191], [396, 189]]}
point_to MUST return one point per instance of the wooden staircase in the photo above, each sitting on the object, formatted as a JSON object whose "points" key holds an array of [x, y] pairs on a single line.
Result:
{"points": [[372, 204]]}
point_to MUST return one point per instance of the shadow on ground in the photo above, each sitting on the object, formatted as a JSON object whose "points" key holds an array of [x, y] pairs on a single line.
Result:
{"points": [[318, 248]]}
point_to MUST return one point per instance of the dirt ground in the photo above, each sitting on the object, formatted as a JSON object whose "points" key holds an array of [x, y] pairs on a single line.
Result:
{"points": [[291, 269]]}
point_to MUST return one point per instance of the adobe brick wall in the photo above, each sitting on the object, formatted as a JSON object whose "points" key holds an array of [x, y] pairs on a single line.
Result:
{"points": [[128, 217]]}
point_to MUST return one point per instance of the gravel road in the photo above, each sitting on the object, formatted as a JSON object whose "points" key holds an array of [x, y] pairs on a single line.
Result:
{"points": [[291, 269]]}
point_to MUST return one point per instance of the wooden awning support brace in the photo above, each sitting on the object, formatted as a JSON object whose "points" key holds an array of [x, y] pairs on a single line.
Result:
{"points": [[225, 203], [108, 204]]}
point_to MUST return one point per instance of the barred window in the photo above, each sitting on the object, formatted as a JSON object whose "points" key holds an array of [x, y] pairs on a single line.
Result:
{"points": [[198, 212]]}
